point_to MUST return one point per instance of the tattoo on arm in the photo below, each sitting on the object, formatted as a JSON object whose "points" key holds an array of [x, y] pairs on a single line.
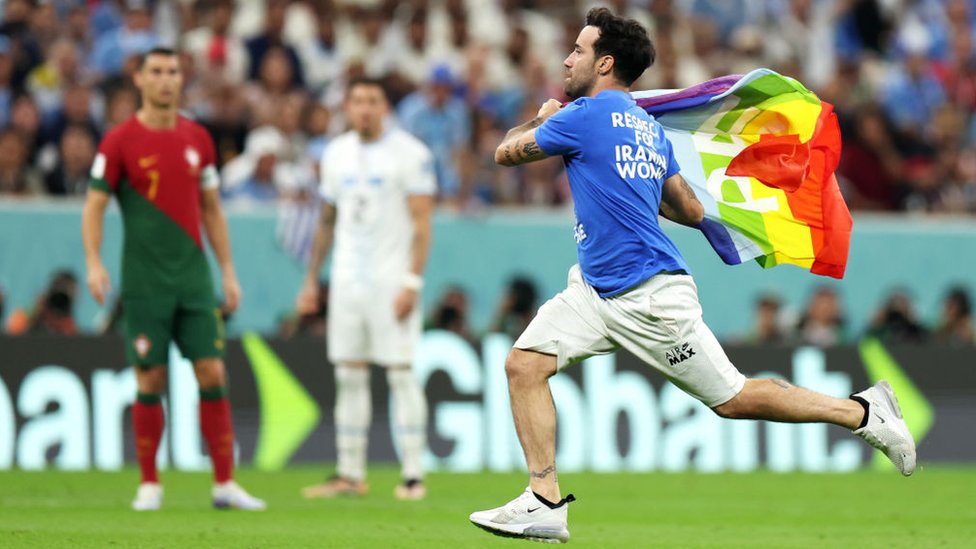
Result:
{"points": [[689, 193], [522, 128], [785, 385], [534, 123], [546, 472], [530, 149], [508, 155]]}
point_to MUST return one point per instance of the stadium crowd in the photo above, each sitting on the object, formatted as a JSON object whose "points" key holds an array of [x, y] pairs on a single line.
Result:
{"points": [[266, 78], [821, 322]]}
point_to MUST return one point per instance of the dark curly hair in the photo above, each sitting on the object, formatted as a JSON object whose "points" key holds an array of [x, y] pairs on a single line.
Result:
{"points": [[623, 39]]}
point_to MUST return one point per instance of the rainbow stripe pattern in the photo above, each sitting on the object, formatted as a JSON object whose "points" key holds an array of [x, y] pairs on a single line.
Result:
{"points": [[760, 152]]}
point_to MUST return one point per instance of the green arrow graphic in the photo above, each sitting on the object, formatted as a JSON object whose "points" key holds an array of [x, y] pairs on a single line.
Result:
{"points": [[288, 413], [918, 412]]}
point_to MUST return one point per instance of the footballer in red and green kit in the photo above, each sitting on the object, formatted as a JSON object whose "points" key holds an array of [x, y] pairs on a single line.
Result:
{"points": [[167, 290]]}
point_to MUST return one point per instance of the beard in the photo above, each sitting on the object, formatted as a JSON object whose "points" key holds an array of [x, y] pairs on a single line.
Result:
{"points": [[580, 84]]}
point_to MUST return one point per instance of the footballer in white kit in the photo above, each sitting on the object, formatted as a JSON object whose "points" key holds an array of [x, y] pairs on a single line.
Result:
{"points": [[369, 184], [378, 187]]}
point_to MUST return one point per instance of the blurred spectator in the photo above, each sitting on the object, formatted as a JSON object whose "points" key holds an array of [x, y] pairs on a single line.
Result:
{"points": [[6, 79], [369, 42], [901, 75], [725, 16], [450, 313], [415, 58], [272, 39], [77, 151], [258, 175], [960, 73], [48, 81], [863, 27], [54, 310], [26, 119], [871, 165], [135, 37], [274, 84], [227, 122], [321, 61], [769, 328], [802, 31], [217, 53], [896, 321], [78, 30], [516, 308], [955, 325], [76, 110], [290, 110], [912, 91], [317, 120], [442, 122], [489, 184], [822, 323], [21, 43], [17, 177], [44, 23]]}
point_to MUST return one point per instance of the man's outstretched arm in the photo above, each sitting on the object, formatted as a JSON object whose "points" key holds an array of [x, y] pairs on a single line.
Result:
{"points": [[519, 145]]}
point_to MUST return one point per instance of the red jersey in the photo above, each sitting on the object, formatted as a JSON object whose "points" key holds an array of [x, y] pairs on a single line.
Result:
{"points": [[157, 176]]}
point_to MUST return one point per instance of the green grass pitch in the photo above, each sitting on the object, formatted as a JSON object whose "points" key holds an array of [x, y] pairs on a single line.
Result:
{"points": [[936, 508]]}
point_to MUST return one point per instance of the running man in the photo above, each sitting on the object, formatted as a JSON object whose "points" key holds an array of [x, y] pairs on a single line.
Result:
{"points": [[631, 288], [378, 187], [160, 167]]}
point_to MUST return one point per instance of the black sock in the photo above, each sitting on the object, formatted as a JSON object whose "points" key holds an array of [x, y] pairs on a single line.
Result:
{"points": [[552, 505], [862, 402]]}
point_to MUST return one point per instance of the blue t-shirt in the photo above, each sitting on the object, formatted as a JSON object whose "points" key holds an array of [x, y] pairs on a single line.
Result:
{"points": [[617, 158]]}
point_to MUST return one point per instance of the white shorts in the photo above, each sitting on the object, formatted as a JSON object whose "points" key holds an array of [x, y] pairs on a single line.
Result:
{"points": [[659, 321], [363, 328]]}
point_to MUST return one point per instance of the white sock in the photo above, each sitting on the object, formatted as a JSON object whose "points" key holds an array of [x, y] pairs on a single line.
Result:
{"points": [[410, 416], [353, 411]]}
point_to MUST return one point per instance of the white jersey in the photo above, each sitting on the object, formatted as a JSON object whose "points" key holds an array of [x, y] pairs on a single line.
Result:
{"points": [[369, 184]]}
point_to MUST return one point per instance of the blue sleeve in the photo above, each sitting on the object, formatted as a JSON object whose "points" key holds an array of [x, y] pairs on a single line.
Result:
{"points": [[560, 134], [673, 166]]}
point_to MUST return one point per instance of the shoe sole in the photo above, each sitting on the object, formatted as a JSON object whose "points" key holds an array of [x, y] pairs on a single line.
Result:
{"points": [[540, 534], [227, 506]]}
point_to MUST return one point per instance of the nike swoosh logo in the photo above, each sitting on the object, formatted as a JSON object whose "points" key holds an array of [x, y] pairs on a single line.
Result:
{"points": [[147, 161], [881, 419], [533, 510]]}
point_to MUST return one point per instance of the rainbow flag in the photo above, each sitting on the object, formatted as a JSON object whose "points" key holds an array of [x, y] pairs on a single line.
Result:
{"points": [[760, 152]]}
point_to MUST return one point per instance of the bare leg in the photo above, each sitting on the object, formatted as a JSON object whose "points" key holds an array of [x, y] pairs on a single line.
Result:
{"points": [[535, 417], [777, 400]]}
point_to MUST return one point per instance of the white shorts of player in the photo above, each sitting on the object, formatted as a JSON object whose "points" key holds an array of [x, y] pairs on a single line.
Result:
{"points": [[362, 326], [659, 321]]}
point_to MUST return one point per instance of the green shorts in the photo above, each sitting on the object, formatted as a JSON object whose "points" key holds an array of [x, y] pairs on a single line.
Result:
{"points": [[194, 324]]}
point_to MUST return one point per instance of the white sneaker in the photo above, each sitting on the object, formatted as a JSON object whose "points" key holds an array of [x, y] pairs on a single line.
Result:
{"points": [[149, 497], [885, 429], [230, 495], [527, 517]]}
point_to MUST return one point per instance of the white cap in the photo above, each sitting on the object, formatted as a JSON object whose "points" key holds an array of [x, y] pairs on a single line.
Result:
{"points": [[265, 140]]}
